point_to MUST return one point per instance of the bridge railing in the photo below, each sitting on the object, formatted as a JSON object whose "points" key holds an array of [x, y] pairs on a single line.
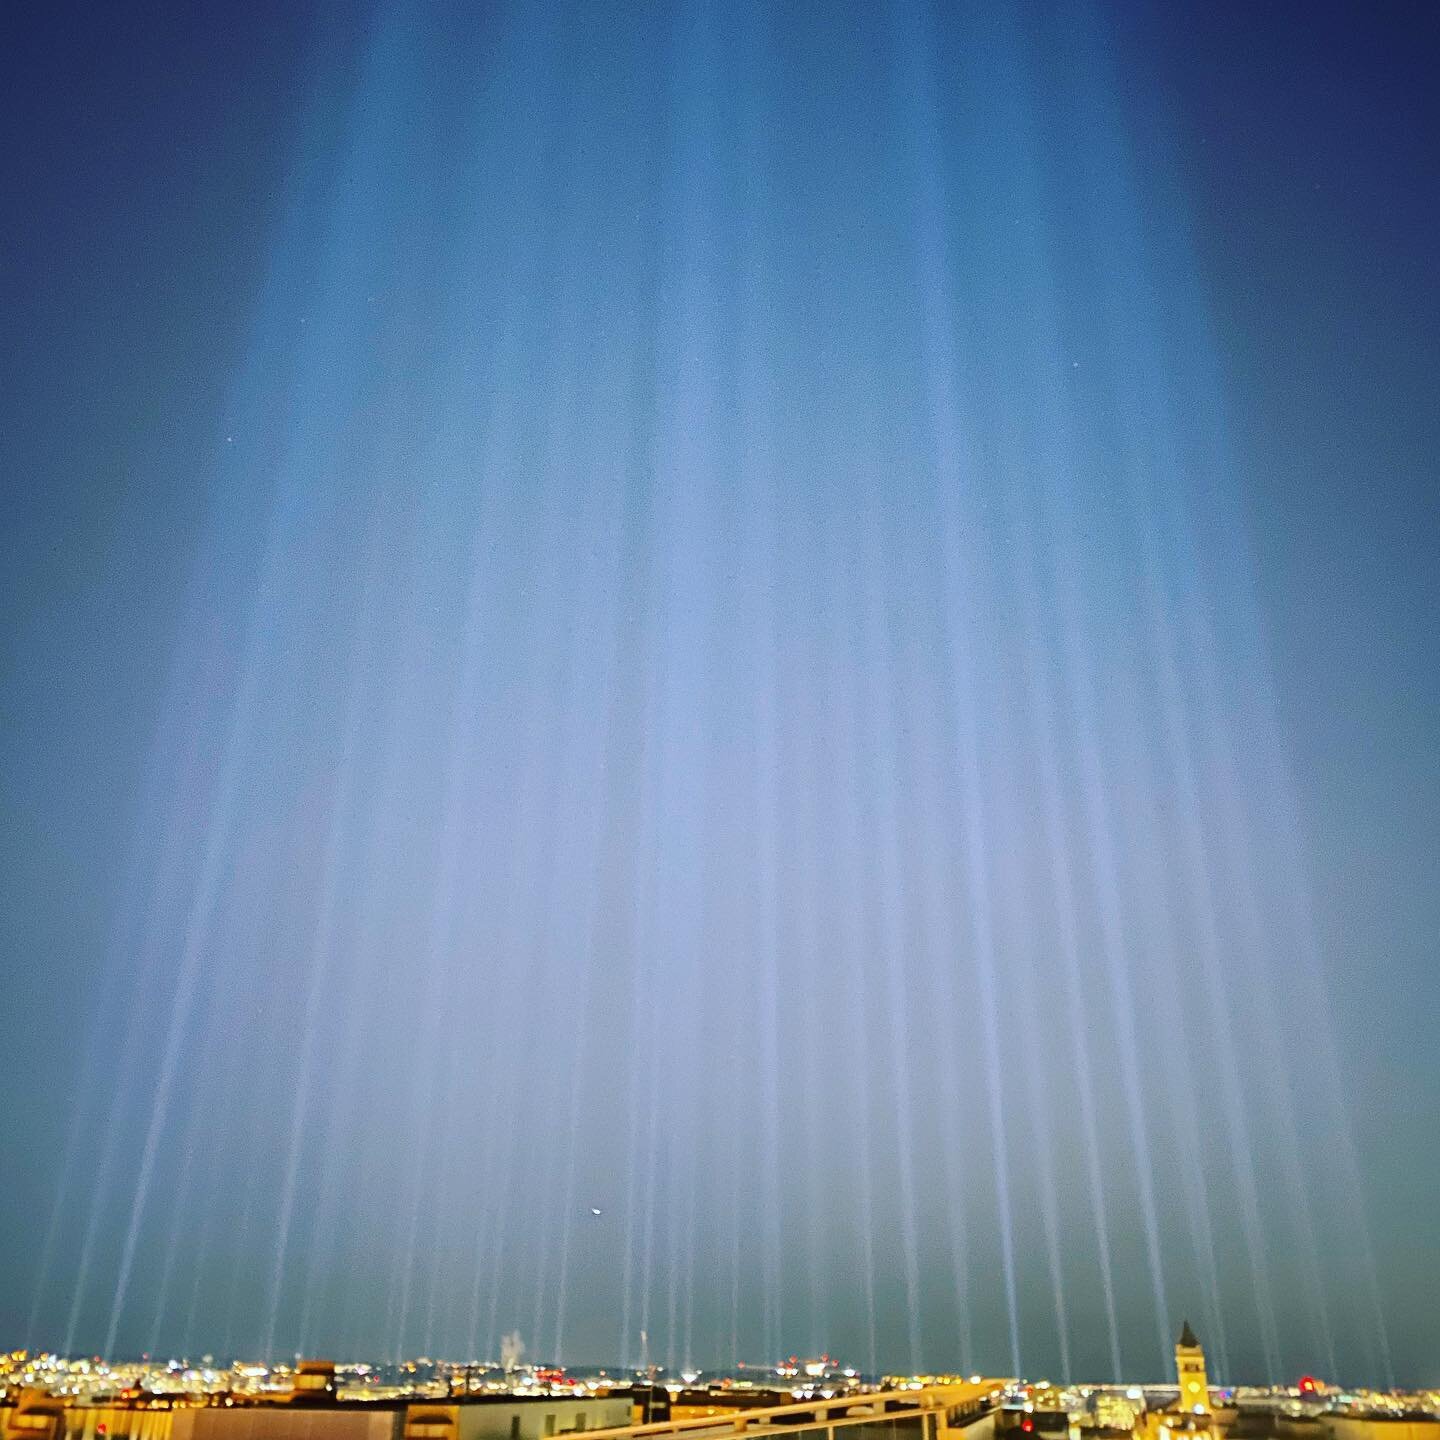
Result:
{"points": [[923, 1414]]}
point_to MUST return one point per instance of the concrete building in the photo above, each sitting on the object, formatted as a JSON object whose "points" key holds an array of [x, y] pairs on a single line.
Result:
{"points": [[312, 1413], [1381, 1427], [288, 1422], [473, 1417], [513, 1417]]}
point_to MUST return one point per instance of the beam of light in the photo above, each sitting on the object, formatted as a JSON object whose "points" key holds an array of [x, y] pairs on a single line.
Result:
{"points": [[350, 997], [594, 707], [1146, 462], [1100, 829], [193, 673], [164, 892], [196, 936], [1238, 865], [855, 938], [956, 470], [175, 1230], [889, 931], [320, 958], [96, 1046], [1219, 464], [578, 709], [583, 687], [288, 494], [1302, 922], [1049, 451], [938, 928], [759, 483], [1045, 749], [1039, 1105]]}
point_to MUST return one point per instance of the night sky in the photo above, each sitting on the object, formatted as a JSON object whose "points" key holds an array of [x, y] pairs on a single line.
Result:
{"points": [[810, 626]]}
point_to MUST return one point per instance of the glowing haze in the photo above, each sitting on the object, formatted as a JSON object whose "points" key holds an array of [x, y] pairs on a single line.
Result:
{"points": [[673, 742]]}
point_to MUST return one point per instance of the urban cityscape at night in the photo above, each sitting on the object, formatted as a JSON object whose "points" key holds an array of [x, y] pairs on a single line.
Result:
{"points": [[720, 717], [812, 1396]]}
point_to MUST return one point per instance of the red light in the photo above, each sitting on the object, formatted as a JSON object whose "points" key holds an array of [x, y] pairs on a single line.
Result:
{"points": [[1027, 1424]]}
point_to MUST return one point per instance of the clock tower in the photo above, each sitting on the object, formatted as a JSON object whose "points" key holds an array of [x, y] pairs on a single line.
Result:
{"points": [[1190, 1367]]}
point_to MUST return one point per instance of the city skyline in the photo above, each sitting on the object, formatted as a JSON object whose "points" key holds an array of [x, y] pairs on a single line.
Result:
{"points": [[511, 1370], [811, 1399]]}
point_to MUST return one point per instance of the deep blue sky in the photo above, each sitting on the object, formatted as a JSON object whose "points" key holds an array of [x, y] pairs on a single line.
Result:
{"points": [[517, 523]]}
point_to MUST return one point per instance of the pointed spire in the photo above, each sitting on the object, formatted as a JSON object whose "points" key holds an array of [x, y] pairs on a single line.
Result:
{"points": [[1187, 1337]]}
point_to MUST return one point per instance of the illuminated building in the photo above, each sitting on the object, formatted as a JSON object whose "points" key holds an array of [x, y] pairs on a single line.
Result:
{"points": [[313, 1414], [1189, 1416], [1190, 1370], [36, 1416], [1113, 1411]]}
